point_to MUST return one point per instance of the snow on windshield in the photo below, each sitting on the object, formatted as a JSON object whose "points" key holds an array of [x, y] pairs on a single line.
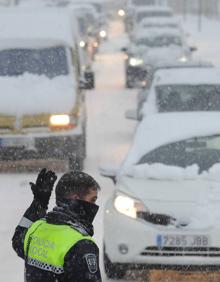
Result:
{"points": [[161, 171], [172, 98], [47, 61], [183, 159]]}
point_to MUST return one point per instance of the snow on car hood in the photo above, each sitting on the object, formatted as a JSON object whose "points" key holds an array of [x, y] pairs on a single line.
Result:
{"points": [[188, 200], [34, 94]]}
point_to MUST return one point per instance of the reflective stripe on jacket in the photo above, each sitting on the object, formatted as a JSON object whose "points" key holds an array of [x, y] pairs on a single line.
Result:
{"points": [[46, 245]]}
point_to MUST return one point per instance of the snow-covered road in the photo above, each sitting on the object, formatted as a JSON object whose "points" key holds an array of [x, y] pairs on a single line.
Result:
{"points": [[109, 135], [108, 138]]}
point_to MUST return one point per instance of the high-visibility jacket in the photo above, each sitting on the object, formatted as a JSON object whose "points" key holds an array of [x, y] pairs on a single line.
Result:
{"points": [[46, 245]]}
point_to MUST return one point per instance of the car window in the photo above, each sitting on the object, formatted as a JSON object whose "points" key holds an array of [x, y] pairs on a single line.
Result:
{"points": [[143, 2], [159, 41], [188, 98], [145, 14], [51, 62], [205, 152], [160, 25]]}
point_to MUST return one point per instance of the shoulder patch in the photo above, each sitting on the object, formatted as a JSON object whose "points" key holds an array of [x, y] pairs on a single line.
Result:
{"points": [[91, 261]]}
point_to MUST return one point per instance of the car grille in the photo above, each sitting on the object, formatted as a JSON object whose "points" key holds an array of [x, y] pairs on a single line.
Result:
{"points": [[178, 251], [7, 122], [35, 121], [14, 125]]}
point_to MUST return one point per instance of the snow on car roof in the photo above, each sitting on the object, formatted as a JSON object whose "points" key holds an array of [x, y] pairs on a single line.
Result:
{"points": [[200, 75], [165, 128], [26, 27], [87, 7], [153, 8], [155, 32]]}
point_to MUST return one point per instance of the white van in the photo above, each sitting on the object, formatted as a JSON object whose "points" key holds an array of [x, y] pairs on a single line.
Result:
{"points": [[42, 109]]}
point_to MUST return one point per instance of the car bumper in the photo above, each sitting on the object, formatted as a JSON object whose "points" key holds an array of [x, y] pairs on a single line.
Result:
{"points": [[135, 75], [139, 239], [40, 145]]}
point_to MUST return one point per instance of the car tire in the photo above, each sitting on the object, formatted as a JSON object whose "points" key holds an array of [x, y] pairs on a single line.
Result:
{"points": [[113, 270], [128, 84]]}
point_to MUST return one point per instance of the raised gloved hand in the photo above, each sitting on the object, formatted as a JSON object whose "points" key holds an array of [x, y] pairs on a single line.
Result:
{"points": [[43, 187]]}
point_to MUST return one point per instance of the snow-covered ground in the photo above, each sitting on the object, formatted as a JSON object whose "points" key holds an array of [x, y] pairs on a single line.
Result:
{"points": [[109, 136]]}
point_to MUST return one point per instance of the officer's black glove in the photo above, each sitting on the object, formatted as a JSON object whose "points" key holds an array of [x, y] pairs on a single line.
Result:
{"points": [[43, 187]]}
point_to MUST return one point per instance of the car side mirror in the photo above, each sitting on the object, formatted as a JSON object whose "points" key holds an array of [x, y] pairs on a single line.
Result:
{"points": [[131, 114], [109, 170], [193, 48]]}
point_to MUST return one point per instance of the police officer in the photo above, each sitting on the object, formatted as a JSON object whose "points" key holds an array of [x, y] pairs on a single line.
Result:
{"points": [[58, 246]]}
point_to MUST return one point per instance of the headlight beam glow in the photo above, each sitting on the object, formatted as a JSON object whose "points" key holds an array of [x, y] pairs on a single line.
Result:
{"points": [[60, 120]]}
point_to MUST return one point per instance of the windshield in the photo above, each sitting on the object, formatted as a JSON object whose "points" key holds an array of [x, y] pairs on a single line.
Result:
{"points": [[160, 25], [51, 62], [145, 14], [188, 98], [203, 151], [159, 41]]}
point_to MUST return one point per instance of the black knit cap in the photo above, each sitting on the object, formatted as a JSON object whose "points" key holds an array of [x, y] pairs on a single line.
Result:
{"points": [[75, 182]]}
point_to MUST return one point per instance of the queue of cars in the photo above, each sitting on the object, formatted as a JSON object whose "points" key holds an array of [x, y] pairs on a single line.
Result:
{"points": [[155, 35], [165, 207], [44, 73]]}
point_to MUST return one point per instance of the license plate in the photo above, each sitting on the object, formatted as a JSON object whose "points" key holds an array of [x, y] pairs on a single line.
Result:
{"points": [[16, 142], [183, 240]]}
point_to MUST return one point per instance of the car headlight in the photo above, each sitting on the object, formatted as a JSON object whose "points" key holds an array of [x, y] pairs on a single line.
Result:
{"points": [[128, 206], [82, 44], [60, 120], [103, 34], [121, 13], [183, 59], [135, 62]]}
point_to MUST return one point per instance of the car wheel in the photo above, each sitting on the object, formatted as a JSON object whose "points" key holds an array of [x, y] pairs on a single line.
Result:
{"points": [[128, 84], [113, 270]]}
